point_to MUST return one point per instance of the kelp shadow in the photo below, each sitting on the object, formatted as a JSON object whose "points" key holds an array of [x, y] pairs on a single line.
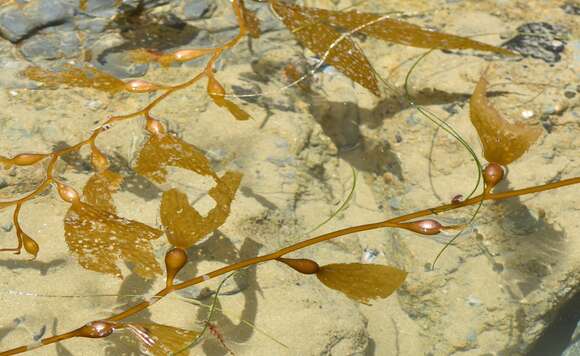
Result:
{"points": [[42, 267], [532, 247], [217, 247], [341, 122], [247, 284]]}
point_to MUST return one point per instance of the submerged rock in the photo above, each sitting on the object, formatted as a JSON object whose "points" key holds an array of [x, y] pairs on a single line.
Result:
{"points": [[539, 40], [19, 21]]}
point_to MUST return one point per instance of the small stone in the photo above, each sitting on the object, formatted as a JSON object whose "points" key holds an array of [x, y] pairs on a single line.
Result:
{"points": [[94, 105], [394, 203], [398, 137], [369, 255], [473, 301], [7, 227]]}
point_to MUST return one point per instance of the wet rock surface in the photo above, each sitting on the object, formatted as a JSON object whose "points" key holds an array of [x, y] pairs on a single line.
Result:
{"points": [[18, 21]]}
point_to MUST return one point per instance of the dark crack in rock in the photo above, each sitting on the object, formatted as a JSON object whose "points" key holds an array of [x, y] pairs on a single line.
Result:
{"points": [[539, 40]]}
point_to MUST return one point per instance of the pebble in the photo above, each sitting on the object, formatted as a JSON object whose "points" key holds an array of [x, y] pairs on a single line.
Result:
{"points": [[369, 255], [394, 203], [7, 227], [473, 301], [94, 105]]}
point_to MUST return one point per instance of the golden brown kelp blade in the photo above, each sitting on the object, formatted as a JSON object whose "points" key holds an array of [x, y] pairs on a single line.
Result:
{"points": [[392, 30], [85, 77], [99, 239], [217, 93], [251, 21], [321, 39], [162, 340], [362, 282], [184, 226], [503, 142], [164, 150], [99, 189]]}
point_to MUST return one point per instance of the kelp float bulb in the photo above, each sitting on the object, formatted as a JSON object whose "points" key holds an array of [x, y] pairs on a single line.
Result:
{"points": [[140, 86], [96, 329], [29, 244], [67, 193], [27, 159], [175, 259], [493, 173], [154, 127], [301, 265], [423, 227], [99, 161], [189, 54]]}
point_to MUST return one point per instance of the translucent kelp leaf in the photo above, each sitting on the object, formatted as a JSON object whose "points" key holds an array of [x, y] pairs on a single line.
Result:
{"points": [[162, 340], [85, 77], [321, 39], [393, 30], [99, 239], [99, 189], [165, 150], [294, 75], [362, 282], [217, 93], [184, 226], [252, 23], [503, 142]]}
